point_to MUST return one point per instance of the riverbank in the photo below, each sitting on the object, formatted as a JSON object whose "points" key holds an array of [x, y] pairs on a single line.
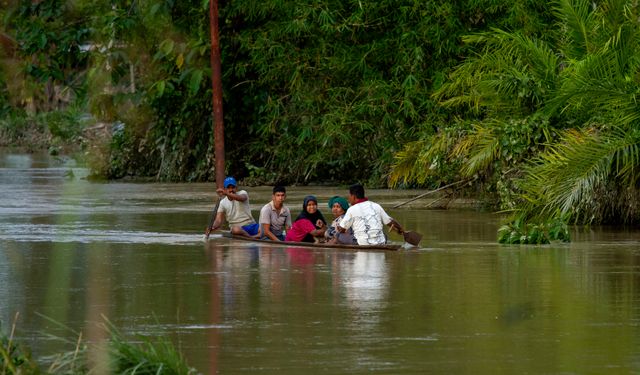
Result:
{"points": [[205, 191], [24, 138], [57, 132]]}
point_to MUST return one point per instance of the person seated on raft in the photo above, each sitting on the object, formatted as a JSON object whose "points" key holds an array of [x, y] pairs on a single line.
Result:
{"points": [[275, 217], [367, 218], [236, 209], [339, 206], [309, 225]]}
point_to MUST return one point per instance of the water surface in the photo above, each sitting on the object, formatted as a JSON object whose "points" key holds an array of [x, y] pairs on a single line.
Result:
{"points": [[77, 253]]}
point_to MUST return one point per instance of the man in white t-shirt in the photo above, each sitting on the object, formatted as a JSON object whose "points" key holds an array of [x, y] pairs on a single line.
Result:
{"points": [[235, 207], [366, 218]]}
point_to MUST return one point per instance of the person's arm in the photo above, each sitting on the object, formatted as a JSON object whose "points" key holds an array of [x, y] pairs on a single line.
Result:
{"points": [[266, 228], [321, 228], [393, 224], [218, 222], [345, 223], [287, 223], [240, 196], [265, 223], [388, 220], [237, 197]]}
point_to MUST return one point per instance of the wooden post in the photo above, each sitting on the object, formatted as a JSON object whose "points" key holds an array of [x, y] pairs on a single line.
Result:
{"points": [[216, 85]]}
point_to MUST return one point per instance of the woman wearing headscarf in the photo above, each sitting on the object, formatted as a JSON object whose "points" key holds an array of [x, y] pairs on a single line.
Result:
{"points": [[339, 206], [309, 224]]}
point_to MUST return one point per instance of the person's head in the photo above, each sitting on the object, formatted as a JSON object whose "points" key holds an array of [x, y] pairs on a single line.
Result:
{"points": [[230, 184], [338, 206], [310, 204], [356, 191], [279, 195]]}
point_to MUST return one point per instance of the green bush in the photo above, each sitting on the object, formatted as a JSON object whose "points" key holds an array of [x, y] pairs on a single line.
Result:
{"points": [[63, 124], [519, 231], [15, 359]]}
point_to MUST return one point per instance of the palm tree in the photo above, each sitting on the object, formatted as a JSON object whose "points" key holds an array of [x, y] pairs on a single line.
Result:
{"points": [[591, 172], [503, 90], [570, 98]]}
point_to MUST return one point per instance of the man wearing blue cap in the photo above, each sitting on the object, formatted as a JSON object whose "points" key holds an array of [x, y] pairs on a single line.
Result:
{"points": [[235, 207]]}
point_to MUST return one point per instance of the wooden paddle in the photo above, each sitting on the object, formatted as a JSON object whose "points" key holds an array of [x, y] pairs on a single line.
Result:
{"points": [[410, 237], [413, 238], [214, 213]]}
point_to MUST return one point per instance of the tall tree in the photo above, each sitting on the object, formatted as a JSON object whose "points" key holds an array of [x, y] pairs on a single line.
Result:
{"points": [[555, 122]]}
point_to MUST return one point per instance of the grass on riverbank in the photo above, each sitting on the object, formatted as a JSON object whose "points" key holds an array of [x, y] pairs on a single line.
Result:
{"points": [[146, 357]]}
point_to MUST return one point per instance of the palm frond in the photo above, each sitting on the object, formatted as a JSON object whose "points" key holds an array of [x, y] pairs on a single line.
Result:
{"points": [[483, 151], [576, 22], [512, 71], [569, 177], [597, 85], [420, 160], [409, 163]]}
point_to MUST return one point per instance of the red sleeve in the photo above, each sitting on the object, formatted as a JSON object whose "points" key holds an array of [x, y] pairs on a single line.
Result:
{"points": [[306, 226], [299, 229]]}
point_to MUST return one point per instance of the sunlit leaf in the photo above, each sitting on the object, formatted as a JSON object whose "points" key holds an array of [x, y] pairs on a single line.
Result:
{"points": [[194, 82]]}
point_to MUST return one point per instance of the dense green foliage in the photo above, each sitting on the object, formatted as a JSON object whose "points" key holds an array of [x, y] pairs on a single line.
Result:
{"points": [[46, 67], [336, 88], [326, 90], [314, 90], [550, 122]]}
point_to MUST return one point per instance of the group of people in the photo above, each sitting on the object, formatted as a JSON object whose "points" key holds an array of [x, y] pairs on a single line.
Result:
{"points": [[356, 220]]}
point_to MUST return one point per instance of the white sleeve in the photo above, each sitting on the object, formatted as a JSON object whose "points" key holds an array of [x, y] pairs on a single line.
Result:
{"points": [[222, 207], [386, 219], [347, 220]]}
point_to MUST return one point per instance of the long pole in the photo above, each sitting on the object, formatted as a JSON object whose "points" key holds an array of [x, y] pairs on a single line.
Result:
{"points": [[216, 85], [216, 89], [429, 192], [218, 134]]}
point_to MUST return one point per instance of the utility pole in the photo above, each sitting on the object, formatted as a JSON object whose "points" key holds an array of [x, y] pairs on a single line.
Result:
{"points": [[216, 85]]}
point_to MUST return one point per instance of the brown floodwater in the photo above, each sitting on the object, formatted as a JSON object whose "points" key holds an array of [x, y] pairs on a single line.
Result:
{"points": [[74, 253]]}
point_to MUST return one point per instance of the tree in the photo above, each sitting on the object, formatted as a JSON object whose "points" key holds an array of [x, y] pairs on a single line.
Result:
{"points": [[569, 99], [48, 37]]}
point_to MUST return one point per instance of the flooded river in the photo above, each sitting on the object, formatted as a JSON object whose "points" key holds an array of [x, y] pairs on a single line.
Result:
{"points": [[76, 253]]}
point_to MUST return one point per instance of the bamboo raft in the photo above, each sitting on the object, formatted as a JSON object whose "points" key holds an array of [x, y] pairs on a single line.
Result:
{"points": [[386, 247]]}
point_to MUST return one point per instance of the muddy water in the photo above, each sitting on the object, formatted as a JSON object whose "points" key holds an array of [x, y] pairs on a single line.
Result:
{"points": [[75, 252]]}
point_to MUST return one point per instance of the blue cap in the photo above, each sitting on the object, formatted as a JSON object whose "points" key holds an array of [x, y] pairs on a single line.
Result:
{"points": [[230, 181]]}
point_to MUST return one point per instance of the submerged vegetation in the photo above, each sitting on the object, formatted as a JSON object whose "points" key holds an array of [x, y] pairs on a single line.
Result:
{"points": [[144, 358], [533, 102], [147, 357], [519, 231]]}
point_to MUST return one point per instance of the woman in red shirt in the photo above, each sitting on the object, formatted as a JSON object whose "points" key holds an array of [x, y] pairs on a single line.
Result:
{"points": [[309, 225]]}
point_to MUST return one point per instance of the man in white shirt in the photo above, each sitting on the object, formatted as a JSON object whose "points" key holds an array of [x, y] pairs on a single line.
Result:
{"points": [[235, 207], [366, 218]]}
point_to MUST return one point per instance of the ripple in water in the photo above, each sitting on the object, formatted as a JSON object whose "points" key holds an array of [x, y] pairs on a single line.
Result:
{"points": [[72, 233]]}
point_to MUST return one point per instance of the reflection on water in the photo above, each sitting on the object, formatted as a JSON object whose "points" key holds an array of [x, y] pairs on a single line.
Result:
{"points": [[73, 251], [365, 281]]}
